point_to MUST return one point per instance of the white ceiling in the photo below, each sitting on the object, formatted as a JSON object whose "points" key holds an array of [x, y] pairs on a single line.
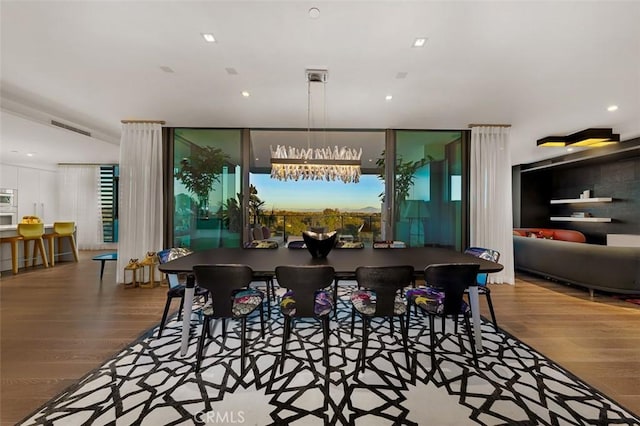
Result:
{"points": [[546, 68]]}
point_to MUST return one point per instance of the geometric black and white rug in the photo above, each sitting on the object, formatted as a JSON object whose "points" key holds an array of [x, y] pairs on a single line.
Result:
{"points": [[149, 383]]}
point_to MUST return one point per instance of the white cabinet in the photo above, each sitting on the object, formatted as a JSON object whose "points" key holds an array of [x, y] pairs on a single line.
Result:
{"points": [[37, 194], [8, 176]]}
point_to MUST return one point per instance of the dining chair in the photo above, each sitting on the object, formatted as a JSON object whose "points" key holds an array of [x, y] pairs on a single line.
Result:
{"points": [[305, 297], [176, 289], [482, 277], [380, 294], [446, 283], [344, 276], [231, 297], [266, 277]]}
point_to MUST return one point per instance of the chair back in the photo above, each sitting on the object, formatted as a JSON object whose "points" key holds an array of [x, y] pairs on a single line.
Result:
{"points": [[64, 228], [169, 254], [386, 282], [30, 231], [223, 281], [453, 279], [305, 281], [486, 254]]}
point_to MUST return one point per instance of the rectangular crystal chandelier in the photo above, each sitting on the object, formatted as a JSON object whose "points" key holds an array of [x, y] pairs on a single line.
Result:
{"points": [[291, 163]]}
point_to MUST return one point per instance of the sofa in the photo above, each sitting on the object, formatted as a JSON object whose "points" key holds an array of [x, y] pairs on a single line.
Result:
{"points": [[561, 257], [552, 234]]}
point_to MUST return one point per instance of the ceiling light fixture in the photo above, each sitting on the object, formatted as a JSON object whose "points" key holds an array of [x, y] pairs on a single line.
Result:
{"points": [[592, 138], [314, 13], [419, 42], [208, 37], [245, 94], [551, 141], [388, 97], [291, 163], [612, 108]]}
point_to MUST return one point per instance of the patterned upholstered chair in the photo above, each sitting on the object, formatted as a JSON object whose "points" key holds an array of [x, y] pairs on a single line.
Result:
{"points": [[306, 297], [481, 278], [231, 297], [443, 297], [176, 289], [267, 278], [380, 294]]}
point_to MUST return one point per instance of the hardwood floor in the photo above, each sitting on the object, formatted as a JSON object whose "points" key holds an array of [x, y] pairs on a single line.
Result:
{"points": [[57, 324]]}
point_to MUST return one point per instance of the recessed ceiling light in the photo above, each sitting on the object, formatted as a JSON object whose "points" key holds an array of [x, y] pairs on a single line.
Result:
{"points": [[231, 71], [245, 93], [401, 75], [314, 13], [388, 97], [209, 38], [612, 108], [419, 42], [167, 69], [30, 154]]}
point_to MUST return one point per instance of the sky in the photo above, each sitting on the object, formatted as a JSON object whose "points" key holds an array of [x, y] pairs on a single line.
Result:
{"points": [[318, 195]]}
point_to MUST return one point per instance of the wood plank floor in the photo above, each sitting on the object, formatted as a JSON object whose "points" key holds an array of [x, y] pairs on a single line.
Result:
{"points": [[57, 324]]}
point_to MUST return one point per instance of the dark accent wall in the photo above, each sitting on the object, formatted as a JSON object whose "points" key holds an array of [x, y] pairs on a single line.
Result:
{"points": [[616, 175]]}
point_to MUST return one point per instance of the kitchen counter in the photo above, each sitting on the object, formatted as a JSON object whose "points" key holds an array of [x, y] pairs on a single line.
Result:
{"points": [[5, 249]]}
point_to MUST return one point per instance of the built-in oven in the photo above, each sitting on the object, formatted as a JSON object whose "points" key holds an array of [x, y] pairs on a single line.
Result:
{"points": [[8, 198]]}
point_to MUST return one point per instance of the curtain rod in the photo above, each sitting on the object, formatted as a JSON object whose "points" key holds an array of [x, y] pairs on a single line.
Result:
{"points": [[489, 125], [87, 164], [143, 121]]}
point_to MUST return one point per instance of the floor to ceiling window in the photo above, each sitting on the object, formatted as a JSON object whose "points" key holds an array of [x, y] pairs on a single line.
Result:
{"points": [[428, 188], [207, 212]]}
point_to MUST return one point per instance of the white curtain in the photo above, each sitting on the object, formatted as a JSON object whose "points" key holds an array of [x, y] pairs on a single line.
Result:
{"points": [[490, 198], [79, 201], [141, 189]]}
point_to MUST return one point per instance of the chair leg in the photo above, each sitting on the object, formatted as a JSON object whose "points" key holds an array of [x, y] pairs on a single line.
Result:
{"points": [[365, 340], [455, 321], [262, 321], [335, 298], [164, 316], [353, 320], [74, 249], [52, 254], [325, 333], [205, 326], [391, 326], [467, 325], [432, 335], [403, 332], [14, 257], [243, 343], [493, 314], [224, 329], [409, 303], [181, 307], [43, 253], [285, 337]]}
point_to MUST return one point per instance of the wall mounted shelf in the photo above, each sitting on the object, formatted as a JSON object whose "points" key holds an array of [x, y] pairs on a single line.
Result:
{"points": [[583, 200], [579, 219]]}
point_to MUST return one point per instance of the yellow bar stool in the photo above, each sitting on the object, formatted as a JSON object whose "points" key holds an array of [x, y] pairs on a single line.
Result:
{"points": [[33, 232], [61, 230]]}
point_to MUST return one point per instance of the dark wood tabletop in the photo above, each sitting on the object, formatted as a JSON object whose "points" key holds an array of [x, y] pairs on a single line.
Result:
{"points": [[342, 260]]}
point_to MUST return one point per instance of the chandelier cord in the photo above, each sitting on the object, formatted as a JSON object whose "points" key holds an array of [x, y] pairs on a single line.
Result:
{"points": [[308, 114]]}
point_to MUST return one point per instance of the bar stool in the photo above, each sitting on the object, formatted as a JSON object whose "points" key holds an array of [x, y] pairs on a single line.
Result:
{"points": [[33, 232], [61, 230]]}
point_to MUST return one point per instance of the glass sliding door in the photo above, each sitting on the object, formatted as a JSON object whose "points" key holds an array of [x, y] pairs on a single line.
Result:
{"points": [[429, 188], [207, 211]]}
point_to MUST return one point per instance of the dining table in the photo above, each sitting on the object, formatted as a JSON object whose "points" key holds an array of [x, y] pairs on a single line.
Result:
{"points": [[344, 261]]}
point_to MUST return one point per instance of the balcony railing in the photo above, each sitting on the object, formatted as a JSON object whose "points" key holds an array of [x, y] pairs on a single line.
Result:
{"points": [[364, 227]]}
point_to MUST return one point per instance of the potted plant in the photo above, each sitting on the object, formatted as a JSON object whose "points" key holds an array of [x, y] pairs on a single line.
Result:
{"points": [[199, 173], [405, 175]]}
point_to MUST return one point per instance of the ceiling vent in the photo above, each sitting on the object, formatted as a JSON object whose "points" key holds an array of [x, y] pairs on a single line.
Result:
{"points": [[71, 128]]}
